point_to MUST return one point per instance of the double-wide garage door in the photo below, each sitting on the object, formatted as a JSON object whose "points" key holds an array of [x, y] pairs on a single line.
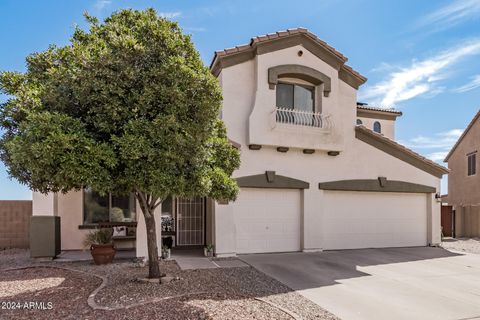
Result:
{"points": [[354, 220], [269, 220]]}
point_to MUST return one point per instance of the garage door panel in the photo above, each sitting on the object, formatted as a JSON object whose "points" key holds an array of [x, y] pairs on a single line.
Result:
{"points": [[374, 219], [267, 220]]}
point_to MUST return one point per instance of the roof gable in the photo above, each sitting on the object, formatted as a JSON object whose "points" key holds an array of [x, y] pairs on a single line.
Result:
{"points": [[285, 39], [465, 132], [401, 152]]}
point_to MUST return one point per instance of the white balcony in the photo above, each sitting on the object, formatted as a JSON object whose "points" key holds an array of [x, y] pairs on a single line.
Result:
{"points": [[290, 117]]}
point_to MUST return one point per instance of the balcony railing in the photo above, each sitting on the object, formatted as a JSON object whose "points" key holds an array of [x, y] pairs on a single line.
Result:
{"points": [[302, 118]]}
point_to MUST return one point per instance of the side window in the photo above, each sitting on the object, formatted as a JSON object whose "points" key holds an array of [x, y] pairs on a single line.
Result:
{"points": [[472, 164], [359, 122], [377, 127]]}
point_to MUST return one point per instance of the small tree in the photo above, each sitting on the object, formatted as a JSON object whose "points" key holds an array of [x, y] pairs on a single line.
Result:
{"points": [[128, 106]]}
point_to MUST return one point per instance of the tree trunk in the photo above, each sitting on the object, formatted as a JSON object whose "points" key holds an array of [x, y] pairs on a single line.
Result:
{"points": [[148, 206], [153, 265]]}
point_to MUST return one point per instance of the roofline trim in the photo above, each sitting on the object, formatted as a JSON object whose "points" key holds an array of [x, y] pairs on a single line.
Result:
{"points": [[382, 110], [398, 151], [377, 114], [470, 125], [270, 179], [285, 39], [376, 185]]}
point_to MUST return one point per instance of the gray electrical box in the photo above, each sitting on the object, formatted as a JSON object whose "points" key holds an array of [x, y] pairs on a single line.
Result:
{"points": [[45, 236]]}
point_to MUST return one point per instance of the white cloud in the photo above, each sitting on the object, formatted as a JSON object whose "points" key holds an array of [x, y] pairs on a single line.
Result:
{"points": [[420, 78], [101, 4], [437, 156], [473, 84], [435, 147], [170, 15], [439, 140], [452, 14]]}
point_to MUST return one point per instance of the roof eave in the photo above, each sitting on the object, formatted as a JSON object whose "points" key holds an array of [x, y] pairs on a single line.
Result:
{"points": [[470, 125], [399, 151], [256, 46]]}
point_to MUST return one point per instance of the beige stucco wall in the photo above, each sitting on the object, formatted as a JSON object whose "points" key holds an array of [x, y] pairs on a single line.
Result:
{"points": [[467, 221], [388, 126], [249, 94], [70, 210], [244, 112], [69, 207], [44, 204], [464, 189]]}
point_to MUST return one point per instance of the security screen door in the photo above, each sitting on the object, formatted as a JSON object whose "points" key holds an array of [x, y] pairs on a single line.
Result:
{"points": [[190, 221]]}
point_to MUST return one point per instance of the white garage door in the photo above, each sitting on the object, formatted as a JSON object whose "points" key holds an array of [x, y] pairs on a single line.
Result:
{"points": [[372, 220], [267, 220]]}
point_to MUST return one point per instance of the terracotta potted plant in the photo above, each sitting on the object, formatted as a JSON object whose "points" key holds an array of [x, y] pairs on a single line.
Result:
{"points": [[101, 245]]}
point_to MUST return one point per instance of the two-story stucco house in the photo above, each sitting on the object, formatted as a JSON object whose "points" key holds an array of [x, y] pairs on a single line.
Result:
{"points": [[318, 170], [464, 181]]}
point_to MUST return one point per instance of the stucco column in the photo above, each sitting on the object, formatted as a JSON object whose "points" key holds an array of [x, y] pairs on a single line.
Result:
{"points": [[141, 241], [225, 231], [311, 225], [433, 220]]}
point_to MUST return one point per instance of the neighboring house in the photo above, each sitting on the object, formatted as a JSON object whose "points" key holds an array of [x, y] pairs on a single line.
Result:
{"points": [[311, 179], [464, 181]]}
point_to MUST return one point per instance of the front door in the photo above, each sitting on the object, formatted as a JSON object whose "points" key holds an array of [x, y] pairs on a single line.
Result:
{"points": [[190, 221]]}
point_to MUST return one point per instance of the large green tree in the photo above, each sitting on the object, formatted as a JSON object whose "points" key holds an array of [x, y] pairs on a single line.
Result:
{"points": [[127, 106]]}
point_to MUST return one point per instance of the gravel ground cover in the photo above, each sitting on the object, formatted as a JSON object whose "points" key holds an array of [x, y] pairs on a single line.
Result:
{"points": [[13, 258], [222, 293], [471, 245]]}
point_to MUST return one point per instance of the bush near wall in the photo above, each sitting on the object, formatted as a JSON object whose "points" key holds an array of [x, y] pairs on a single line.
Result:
{"points": [[15, 223]]}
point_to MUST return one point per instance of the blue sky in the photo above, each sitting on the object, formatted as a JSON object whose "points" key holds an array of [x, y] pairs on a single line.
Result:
{"points": [[421, 57]]}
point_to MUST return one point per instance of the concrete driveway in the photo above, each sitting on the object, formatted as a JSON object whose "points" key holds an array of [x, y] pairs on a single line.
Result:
{"points": [[394, 283]]}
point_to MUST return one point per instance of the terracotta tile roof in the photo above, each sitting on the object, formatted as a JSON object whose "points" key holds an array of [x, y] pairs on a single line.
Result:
{"points": [[280, 34], [470, 125], [356, 73], [245, 48], [404, 150], [367, 107]]}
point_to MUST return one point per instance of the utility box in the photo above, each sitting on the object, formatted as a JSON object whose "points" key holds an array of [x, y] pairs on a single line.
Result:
{"points": [[45, 236]]}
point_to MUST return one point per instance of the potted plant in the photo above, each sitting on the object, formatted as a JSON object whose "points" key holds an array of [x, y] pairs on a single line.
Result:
{"points": [[101, 245], [208, 250], [165, 252]]}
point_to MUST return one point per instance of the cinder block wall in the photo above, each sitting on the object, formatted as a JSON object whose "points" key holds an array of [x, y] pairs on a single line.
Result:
{"points": [[15, 223]]}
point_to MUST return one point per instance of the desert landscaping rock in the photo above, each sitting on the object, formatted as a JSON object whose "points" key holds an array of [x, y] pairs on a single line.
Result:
{"points": [[470, 245], [220, 293]]}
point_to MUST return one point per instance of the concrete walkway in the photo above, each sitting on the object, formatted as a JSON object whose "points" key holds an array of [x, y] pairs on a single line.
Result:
{"points": [[396, 283], [194, 259]]}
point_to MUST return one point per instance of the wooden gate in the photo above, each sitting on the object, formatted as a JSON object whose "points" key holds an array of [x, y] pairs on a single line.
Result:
{"points": [[447, 221]]}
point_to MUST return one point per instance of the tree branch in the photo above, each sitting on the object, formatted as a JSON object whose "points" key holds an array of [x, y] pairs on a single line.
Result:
{"points": [[143, 203], [156, 202]]}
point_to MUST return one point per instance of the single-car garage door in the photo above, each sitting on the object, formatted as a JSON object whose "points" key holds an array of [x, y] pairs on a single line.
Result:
{"points": [[267, 220], [374, 219]]}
